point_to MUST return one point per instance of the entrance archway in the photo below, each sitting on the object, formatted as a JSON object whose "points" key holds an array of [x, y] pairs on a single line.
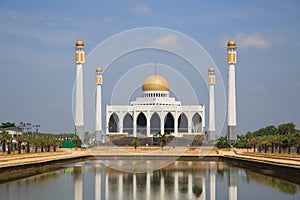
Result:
{"points": [[182, 123], [128, 124], [154, 124], [141, 124], [113, 123], [196, 123], [169, 123]]}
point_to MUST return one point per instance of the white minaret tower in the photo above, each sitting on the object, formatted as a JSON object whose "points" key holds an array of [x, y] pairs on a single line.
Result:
{"points": [[231, 110], [98, 104], [79, 124], [211, 82]]}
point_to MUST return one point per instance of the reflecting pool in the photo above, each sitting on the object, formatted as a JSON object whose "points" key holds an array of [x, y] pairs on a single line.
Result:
{"points": [[180, 180]]}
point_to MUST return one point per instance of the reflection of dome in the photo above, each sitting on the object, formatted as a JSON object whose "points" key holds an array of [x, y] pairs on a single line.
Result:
{"points": [[231, 43], [155, 83], [211, 70], [79, 43]]}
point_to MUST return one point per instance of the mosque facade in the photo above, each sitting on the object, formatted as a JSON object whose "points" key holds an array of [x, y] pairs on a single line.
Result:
{"points": [[156, 112]]}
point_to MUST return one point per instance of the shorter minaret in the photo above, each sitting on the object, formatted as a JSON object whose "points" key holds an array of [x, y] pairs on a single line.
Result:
{"points": [[231, 109], [98, 105], [79, 59], [211, 82]]}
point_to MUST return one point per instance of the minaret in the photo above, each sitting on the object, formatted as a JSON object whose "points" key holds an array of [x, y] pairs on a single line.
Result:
{"points": [[211, 82], [98, 104], [231, 110], [79, 124]]}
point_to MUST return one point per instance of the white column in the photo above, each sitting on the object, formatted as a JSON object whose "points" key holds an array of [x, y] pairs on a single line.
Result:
{"points": [[203, 196], [134, 123], [98, 105], [231, 53], [211, 82], [134, 187], [148, 123], [176, 185], [106, 186], [79, 123], [120, 189], [212, 181], [98, 184], [176, 124], [148, 186], [162, 123], [162, 187], [121, 118], [190, 117], [78, 187], [190, 186], [232, 184]]}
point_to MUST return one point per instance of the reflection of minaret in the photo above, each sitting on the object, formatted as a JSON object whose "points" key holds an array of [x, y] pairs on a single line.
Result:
{"points": [[98, 184], [98, 105], [79, 125], [78, 184], [134, 187], [231, 110], [211, 82], [232, 184], [212, 180], [162, 187]]}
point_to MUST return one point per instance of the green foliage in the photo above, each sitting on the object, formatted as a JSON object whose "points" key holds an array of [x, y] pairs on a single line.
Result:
{"points": [[135, 142], [163, 140], [222, 143], [7, 125], [284, 137]]}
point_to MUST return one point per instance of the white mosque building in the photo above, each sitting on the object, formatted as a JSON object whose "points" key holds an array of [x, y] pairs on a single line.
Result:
{"points": [[155, 112]]}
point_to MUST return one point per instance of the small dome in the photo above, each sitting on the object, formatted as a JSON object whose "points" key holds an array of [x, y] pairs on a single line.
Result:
{"points": [[211, 70], [155, 83], [231, 43], [99, 70], [79, 43]]}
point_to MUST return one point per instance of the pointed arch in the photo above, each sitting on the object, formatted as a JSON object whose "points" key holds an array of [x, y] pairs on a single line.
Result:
{"points": [[182, 123], [141, 124], [128, 124], [155, 123], [113, 123], [169, 123], [196, 123]]}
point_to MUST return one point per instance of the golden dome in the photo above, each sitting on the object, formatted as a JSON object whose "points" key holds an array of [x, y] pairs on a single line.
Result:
{"points": [[231, 43], [99, 70], [79, 43], [155, 83], [211, 70]]}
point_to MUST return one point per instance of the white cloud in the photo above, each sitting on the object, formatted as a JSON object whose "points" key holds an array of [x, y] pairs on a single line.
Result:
{"points": [[141, 9], [248, 41], [169, 41]]}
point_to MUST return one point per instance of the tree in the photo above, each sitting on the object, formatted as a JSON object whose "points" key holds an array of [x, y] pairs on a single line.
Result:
{"points": [[222, 143], [19, 140], [285, 129], [135, 142], [278, 141], [162, 140], [297, 141], [7, 125], [288, 141]]}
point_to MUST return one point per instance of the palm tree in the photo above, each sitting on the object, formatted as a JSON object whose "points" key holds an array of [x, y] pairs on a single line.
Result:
{"points": [[297, 141], [289, 140], [162, 140], [19, 140], [135, 142], [278, 141], [3, 138]]}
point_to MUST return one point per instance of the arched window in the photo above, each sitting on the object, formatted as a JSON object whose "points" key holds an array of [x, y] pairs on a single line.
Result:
{"points": [[128, 124], [196, 123], [113, 123], [182, 123]]}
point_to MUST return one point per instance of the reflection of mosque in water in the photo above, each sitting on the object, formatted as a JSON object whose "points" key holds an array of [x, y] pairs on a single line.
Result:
{"points": [[181, 180]]}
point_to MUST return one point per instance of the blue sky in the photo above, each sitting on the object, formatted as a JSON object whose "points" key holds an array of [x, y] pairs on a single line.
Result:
{"points": [[37, 54]]}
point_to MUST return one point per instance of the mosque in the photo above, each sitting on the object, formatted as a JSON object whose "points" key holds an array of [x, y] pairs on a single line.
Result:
{"points": [[156, 112]]}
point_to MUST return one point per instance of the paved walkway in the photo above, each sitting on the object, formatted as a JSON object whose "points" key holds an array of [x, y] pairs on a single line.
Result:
{"points": [[35, 158]]}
